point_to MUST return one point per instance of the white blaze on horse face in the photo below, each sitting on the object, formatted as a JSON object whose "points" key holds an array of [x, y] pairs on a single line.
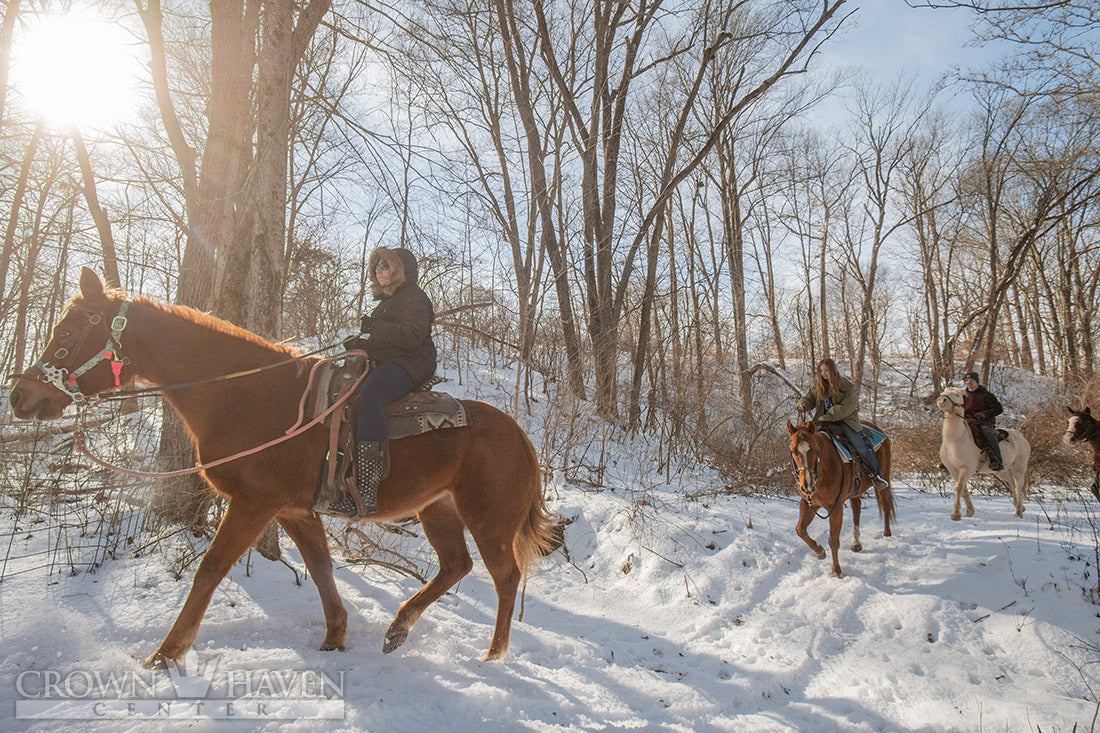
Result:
{"points": [[806, 476], [1071, 430]]}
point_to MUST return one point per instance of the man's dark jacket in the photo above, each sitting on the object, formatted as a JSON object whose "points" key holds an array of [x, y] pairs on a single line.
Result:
{"points": [[981, 405]]}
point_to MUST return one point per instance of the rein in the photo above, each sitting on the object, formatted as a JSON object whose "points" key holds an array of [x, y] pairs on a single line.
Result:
{"points": [[80, 445], [126, 394], [65, 380], [808, 495]]}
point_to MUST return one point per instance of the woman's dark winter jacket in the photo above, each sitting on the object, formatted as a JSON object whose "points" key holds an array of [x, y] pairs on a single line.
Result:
{"points": [[981, 405], [400, 326]]}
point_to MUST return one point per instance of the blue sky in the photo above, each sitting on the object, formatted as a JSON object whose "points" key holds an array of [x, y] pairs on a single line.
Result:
{"points": [[887, 37]]}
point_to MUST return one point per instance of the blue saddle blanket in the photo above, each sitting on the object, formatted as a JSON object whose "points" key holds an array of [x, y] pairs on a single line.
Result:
{"points": [[876, 436]]}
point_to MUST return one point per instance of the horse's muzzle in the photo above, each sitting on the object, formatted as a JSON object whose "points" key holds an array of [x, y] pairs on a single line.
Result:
{"points": [[27, 406]]}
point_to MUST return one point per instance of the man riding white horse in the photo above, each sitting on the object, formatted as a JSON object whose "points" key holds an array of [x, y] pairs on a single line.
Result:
{"points": [[981, 408]]}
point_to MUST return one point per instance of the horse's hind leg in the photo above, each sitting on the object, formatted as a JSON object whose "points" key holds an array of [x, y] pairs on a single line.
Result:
{"points": [[500, 558], [805, 516], [444, 530], [309, 535], [239, 529], [1017, 487], [857, 508]]}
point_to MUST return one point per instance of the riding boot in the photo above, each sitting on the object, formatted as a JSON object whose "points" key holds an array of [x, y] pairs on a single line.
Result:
{"points": [[370, 469]]}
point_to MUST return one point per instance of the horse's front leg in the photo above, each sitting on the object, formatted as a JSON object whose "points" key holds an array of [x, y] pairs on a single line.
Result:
{"points": [[962, 493], [805, 516], [309, 535], [857, 507], [836, 519], [239, 529]]}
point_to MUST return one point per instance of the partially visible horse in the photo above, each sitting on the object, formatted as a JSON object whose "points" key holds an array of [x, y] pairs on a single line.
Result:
{"points": [[825, 481], [483, 478], [963, 458], [1083, 426]]}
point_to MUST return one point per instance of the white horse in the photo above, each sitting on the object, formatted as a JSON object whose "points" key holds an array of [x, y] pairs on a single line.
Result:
{"points": [[963, 459]]}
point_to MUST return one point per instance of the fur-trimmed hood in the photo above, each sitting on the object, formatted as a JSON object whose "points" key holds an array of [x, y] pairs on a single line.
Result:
{"points": [[403, 265]]}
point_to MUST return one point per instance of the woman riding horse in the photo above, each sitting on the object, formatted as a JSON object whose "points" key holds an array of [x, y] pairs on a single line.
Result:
{"points": [[835, 402]]}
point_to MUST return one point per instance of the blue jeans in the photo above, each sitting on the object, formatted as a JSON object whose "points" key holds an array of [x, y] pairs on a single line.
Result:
{"points": [[858, 442], [989, 432], [385, 383]]}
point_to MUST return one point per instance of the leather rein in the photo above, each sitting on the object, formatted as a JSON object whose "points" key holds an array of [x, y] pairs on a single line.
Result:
{"points": [[808, 493], [66, 381]]}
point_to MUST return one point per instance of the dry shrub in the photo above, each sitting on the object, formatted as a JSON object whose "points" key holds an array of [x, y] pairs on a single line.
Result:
{"points": [[762, 463], [915, 448]]}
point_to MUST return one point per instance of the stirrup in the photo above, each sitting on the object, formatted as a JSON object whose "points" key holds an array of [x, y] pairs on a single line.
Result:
{"points": [[370, 469]]}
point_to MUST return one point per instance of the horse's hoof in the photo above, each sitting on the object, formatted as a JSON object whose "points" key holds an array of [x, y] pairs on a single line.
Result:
{"points": [[394, 640], [156, 660], [857, 547], [970, 512], [955, 516], [331, 646], [494, 654], [836, 573], [820, 554]]}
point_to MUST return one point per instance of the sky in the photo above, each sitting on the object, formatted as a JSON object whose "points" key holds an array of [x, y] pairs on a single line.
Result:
{"points": [[888, 37]]}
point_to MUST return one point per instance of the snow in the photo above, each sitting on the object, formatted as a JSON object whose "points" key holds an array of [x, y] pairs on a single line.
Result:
{"points": [[668, 613]]}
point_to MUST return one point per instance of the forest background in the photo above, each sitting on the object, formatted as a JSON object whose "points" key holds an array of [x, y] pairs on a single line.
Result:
{"points": [[658, 212]]}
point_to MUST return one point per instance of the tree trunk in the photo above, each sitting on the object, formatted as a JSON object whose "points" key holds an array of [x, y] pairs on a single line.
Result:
{"points": [[99, 214]]}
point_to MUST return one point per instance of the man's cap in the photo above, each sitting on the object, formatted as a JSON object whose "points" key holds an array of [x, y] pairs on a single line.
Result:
{"points": [[972, 375]]}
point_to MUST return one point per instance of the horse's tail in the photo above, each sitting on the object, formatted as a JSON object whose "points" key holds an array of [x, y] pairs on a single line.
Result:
{"points": [[539, 535]]}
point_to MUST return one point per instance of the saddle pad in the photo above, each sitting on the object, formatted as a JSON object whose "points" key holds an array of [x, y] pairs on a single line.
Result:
{"points": [[874, 435], [420, 412]]}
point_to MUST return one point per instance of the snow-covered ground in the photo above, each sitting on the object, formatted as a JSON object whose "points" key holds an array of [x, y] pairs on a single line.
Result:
{"points": [[680, 618], [667, 614]]}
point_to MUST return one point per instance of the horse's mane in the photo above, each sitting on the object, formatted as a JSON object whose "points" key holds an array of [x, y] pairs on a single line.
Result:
{"points": [[197, 317]]}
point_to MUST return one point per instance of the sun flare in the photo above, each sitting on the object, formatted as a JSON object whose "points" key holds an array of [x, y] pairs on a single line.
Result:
{"points": [[75, 69]]}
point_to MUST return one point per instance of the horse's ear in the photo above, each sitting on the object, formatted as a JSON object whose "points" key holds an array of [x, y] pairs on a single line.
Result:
{"points": [[1088, 411], [91, 287], [790, 428]]}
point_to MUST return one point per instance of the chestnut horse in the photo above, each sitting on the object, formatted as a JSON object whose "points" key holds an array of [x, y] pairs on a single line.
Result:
{"points": [[1083, 426], [963, 459], [483, 478], [826, 482]]}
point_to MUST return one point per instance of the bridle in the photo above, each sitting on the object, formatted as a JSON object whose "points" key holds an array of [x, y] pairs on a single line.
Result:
{"points": [[51, 371], [808, 479], [955, 405]]}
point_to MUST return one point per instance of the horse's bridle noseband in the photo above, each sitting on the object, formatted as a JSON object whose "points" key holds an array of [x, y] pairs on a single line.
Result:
{"points": [[65, 380], [807, 476], [955, 406]]}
